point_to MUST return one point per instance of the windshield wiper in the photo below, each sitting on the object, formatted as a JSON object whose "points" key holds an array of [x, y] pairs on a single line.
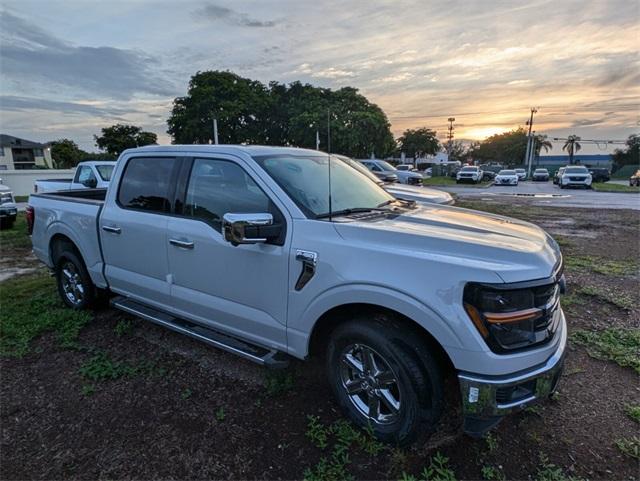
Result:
{"points": [[353, 210]]}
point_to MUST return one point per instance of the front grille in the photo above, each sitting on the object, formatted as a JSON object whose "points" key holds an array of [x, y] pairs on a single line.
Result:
{"points": [[577, 179]]}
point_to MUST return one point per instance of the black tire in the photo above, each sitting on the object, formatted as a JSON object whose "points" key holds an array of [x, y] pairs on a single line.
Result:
{"points": [[418, 389], [69, 262]]}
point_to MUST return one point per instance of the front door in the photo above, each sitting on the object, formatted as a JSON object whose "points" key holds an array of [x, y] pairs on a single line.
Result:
{"points": [[240, 289], [133, 230]]}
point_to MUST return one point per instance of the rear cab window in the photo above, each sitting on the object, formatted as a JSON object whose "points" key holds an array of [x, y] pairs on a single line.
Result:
{"points": [[147, 184]]}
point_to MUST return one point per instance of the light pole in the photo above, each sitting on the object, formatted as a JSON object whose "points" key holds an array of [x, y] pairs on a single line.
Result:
{"points": [[527, 154], [451, 120]]}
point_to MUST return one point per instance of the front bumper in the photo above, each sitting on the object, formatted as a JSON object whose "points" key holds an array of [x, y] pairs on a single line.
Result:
{"points": [[10, 212], [487, 399]]}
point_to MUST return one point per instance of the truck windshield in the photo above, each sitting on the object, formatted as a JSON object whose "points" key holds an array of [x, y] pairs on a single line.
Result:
{"points": [[305, 178], [105, 171]]}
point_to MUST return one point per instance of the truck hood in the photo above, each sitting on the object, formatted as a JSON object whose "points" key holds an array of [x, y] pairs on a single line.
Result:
{"points": [[419, 194], [514, 250]]}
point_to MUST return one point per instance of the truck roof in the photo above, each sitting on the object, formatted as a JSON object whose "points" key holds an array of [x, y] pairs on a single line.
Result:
{"points": [[224, 149]]}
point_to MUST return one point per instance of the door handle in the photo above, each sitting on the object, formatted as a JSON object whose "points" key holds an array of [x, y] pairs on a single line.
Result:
{"points": [[181, 243], [113, 230]]}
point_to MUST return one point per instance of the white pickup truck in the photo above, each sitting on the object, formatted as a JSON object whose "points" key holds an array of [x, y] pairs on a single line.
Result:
{"points": [[255, 251], [90, 174]]}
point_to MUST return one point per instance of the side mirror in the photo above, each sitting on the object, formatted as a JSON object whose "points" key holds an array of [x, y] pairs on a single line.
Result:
{"points": [[245, 228], [90, 183]]}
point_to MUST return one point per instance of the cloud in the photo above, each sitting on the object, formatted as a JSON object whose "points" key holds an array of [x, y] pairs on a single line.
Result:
{"points": [[14, 103], [31, 56], [217, 12]]}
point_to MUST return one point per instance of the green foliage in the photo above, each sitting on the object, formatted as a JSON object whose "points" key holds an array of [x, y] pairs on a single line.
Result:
{"points": [[621, 346], [34, 309], [508, 148], [66, 154], [492, 442], [630, 155], [120, 137], [601, 266], [572, 145], [344, 437], [550, 472], [279, 382], [633, 412], [88, 390], [491, 473], [100, 367], [16, 237], [438, 470], [123, 327], [247, 111], [220, 415], [615, 298], [629, 446], [186, 394], [607, 187], [418, 142]]}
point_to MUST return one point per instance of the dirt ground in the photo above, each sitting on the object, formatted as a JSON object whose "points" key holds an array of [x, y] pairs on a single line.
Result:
{"points": [[193, 412]]}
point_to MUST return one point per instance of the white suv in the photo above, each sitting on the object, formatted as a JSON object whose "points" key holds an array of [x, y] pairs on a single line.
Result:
{"points": [[575, 176], [469, 173]]}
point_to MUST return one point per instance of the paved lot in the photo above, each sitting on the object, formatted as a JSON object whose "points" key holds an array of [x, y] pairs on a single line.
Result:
{"points": [[546, 193]]}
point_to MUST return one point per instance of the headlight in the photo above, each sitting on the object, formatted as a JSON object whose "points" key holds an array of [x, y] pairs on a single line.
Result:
{"points": [[6, 197], [511, 319]]}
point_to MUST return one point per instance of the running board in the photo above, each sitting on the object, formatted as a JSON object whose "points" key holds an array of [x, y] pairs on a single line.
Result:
{"points": [[271, 358]]}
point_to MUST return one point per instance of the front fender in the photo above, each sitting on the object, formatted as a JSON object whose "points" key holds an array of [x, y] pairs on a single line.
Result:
{"points": [[299, 332]]}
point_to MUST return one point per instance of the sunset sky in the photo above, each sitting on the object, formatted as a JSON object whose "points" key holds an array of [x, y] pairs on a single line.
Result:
{"points": [[69, 68]]}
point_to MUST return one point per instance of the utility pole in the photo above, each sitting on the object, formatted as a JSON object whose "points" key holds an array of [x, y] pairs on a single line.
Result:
{"points": [[451, 120], [215, 131], [527, 154]]}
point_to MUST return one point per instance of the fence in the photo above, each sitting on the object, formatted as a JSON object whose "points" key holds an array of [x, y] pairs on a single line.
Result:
{"points": [[21, 181]]}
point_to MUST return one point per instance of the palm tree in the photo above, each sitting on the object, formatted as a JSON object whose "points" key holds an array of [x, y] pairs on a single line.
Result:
{"points": [[542, 143], [571, 146]]}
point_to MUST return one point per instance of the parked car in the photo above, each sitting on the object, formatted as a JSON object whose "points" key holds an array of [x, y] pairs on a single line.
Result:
{"points": [[507, 177], [600, 174], [403, 176], [89, 174], [8, 207], [389, 176], [406, 167], [558, 174], [241, 247], [418, 194], [635, 179], [488, 175], [540, 175], [469, 173], [522, 174], [575, 176]]}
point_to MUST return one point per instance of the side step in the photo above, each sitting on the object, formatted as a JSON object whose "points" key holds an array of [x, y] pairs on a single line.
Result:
{"points": [[261, 355]]}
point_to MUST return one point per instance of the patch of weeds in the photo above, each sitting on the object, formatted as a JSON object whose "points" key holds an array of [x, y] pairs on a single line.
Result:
{"points": [[492, 442], [563, 241], [123, 327], [633, 412], [220, 415], [601, 266], [615, 298], [621, 346], [88, 390], [34, 309], [16, 237], [186, 394], [550, 472], [491, 473], [438, 470], [279, 382], [629, 446], [100, 367], [344, 437], [536, 409]]}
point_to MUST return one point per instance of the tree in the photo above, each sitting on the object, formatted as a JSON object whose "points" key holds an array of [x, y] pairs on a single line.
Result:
{"points": [[250, 112], [630, 154], [572, 146], [65, 153], [418, 142], [458, 151], [541, 142], [120, 137], [507, 148]]}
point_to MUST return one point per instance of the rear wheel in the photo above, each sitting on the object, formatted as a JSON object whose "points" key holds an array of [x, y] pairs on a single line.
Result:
{"points": [[383, 376], [74, 284]]}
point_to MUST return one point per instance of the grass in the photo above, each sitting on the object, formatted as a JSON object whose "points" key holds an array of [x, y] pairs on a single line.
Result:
{"points": [[34, 309], [617, 299], [341, 438], [550, 472], [621, 346], [606, 187], [279, 382], [633, 412], [220, 415], [451, 181], [438, 470], [16, 237], [123, 327], [629, 446], [601, 266], [101, 367], [21, 198], [491, 473]]}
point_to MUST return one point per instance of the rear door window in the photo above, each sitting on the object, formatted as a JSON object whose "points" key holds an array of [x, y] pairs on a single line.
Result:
{"points": [[146, 184]]}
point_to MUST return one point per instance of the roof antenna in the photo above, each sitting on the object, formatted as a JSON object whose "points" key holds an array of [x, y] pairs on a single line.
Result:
{"points": [[329, 157]]}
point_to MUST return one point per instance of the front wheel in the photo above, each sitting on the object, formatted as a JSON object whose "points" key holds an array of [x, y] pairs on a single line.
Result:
{"points": [[74, 284], [384, 377]]}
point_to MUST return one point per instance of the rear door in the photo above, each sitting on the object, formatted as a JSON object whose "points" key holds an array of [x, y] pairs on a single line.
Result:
{"points": [[240, 289], [134, 229]]}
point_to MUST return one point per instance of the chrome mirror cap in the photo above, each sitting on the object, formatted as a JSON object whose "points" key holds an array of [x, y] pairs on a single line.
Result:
{"points": [[234, 227]]}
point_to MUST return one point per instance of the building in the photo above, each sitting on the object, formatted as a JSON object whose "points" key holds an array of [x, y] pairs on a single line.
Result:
{"points": [[20, 154], [589, 160]]}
